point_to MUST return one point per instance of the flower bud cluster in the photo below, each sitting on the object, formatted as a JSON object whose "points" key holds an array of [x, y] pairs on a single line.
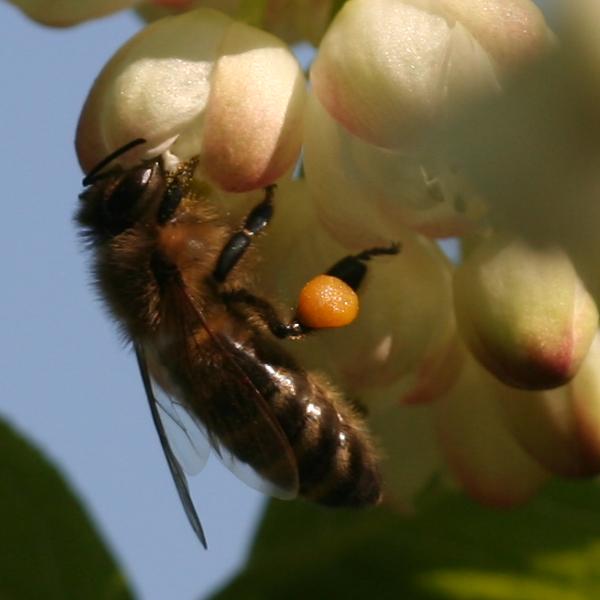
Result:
{"points": [[461, 119]]}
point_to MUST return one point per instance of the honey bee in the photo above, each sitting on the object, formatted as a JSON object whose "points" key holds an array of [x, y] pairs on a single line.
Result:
{"points": [[171, 273]]}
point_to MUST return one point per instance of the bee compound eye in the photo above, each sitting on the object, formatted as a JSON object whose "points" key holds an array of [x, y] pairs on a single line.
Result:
{"points": [[122, 200]]}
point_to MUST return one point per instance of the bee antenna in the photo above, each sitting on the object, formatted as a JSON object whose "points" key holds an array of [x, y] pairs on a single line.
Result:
{"points": [[93, 176]]}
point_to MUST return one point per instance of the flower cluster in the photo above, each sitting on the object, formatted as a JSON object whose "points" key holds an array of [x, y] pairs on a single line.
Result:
{"points": [[463, 119]]}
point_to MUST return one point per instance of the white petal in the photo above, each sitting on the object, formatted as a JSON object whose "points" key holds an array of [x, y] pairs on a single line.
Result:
{"points": [[155, 87], [388, 69], [362, 188], [479, 448]]}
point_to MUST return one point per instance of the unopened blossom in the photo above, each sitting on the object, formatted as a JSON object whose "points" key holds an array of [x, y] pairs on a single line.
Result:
{"points": [[524, 312], [360, 187], [540, 176], [479, 448], [200, 84], [540, 180], [387, 72], [560, 428], [411, 457], [388, 68]]}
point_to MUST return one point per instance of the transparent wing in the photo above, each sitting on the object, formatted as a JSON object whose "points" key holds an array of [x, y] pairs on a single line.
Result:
{"points": [[191, 443], [184, 438], [179, 477], [245, 473], [187, 437]]}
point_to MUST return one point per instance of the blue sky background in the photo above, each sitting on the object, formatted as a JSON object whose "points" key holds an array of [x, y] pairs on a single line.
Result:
{"points": [[64, 379]]}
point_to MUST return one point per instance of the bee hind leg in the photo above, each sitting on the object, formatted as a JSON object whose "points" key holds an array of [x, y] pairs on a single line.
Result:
{"points": [[352, 269], [238, 243]]}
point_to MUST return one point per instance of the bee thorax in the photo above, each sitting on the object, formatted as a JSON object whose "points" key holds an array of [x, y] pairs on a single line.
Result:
{"points": [[182, 245]]}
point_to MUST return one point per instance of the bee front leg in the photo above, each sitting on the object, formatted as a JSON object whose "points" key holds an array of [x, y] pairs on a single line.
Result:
{"points": [[239, 242]]}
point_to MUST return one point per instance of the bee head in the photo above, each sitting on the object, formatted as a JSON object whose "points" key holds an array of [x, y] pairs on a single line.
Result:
{"points": [[115, 199], [114, 203]]}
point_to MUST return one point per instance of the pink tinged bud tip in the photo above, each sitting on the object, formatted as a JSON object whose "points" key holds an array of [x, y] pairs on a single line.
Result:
{"points": [[524, 313], [200, 85]]}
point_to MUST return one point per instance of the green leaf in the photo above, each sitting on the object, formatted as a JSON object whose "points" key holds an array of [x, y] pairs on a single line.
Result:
{"points": [[450, 549], [48, 546]]}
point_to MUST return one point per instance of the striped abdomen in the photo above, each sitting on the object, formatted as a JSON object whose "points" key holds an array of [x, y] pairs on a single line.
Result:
{"points": [[336, 460], [337, 464]]}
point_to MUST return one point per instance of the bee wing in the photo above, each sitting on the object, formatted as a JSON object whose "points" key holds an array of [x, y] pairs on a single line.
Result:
{"points": [[189, 443], [161, 416], [187, 438], [265, 435], [244, 472]]}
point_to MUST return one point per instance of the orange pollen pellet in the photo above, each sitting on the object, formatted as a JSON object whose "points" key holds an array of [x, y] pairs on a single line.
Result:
{"points": [[327, 301]]}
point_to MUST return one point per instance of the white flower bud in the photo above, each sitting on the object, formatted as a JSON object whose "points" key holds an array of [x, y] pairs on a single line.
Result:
{"points": [[386, 72], [362, 188], [436, 374], [524, 312], [532, 152], [387, 69], [411, 455], [478, 447], [201, 85], [584, 394], [561, 428]]}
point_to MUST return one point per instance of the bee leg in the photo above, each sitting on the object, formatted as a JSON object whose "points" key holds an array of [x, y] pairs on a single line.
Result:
{"points": [[352, 269], [239, 242], [263, 310]]}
